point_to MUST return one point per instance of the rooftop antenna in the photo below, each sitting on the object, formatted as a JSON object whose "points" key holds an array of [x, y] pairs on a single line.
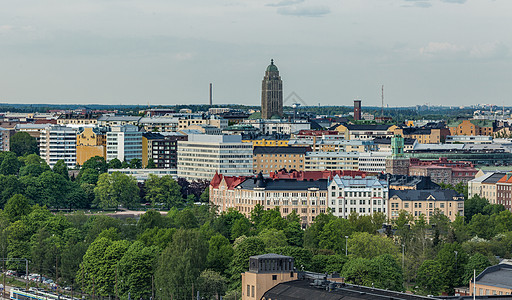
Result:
{"points": [[382, 107]]}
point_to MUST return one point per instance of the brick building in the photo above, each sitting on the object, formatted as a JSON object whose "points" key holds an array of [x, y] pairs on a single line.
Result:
{"points": [[268, 159]]}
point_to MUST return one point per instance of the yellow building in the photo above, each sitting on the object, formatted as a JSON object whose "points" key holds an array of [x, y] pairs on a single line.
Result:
{"points": [[426, 203], [267, 142], [90, 142]]}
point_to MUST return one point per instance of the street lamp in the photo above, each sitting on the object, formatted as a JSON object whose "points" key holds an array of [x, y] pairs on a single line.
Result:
{"points": [[346, 245], [403, 257], [456, 252]]}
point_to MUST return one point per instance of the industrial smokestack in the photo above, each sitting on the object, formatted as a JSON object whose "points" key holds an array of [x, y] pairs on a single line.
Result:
{"points": [[357, 109], [211, 95]]}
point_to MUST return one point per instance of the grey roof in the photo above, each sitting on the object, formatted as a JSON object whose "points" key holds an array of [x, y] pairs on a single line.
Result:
{"points": [[270, 255], [280, 150], [418, 182], [319, 289], [498, 276], [367, 127], [439, 195], [494, 177], [283, 184], [119, 118], [367, 182]]}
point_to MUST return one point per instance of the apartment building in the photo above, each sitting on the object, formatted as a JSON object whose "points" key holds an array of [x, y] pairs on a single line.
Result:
{"points": [[159, 124], [202, 156], [504, 191], [363, 195], [5, 136], [186, 121], [334, 143], [365, 132], [268, 141], [443, 170], [56, 143], [485, 186], [424, 135], [124, 143], [90, 142], [162, 148], [268, 159], [107, 120], [364, 161], [373, 161], [306, 198], [278, 126], [425, 202], [78, 119], [472, 127]]}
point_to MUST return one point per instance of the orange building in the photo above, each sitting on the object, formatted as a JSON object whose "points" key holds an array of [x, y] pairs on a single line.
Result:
{"points": [[90, 142], [472, 127], [495, 280]]}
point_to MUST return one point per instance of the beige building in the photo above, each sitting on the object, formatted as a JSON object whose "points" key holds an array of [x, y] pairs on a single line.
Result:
{"points": [[265, 272], [78, 119], [90, 142], [425, 202], [306, 198], [485, 186], [271, 159], [495, 280]]}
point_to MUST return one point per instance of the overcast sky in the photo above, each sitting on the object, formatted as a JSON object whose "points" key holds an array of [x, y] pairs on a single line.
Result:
{"points": [[449, 52]]}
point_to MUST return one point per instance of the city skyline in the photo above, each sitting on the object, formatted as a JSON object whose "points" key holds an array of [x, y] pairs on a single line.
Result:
{"points": [[450, 52]]}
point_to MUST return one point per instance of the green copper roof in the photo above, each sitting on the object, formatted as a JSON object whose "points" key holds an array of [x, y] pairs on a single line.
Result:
{"points": [[272, 67]]}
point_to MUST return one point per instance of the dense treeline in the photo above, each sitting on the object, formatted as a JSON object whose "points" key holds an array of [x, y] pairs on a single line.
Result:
{"points": [[194, 248]]}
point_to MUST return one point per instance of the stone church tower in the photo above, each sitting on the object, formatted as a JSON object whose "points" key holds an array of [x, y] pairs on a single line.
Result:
{"points": [[271, 93], [397, 163]]}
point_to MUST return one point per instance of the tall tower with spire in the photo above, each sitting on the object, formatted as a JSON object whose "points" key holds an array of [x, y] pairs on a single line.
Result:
{"points": [[271, 93]]}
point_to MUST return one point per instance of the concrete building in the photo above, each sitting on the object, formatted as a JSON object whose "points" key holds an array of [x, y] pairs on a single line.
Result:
{"points": [[278, 126], [91, 142], [504, 191], [333, 143], [268, 141], [494, 280], [202, 156], [373, 161], [268, 159], [425, 202], [443, 170], [78, 119], [34, 130], [186, 121], [271, 93], [363, 196], [5, 136], [58, 143], [159, 124], [307, 198], [162, 148], [424, 135], [332, 161], [113, 120], [124, 143], [365, 132], [485, 186], [265, 272], [397, 163]]}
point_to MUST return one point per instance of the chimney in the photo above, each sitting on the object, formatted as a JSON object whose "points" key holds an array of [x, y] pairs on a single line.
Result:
{"points": [[357, 109]]}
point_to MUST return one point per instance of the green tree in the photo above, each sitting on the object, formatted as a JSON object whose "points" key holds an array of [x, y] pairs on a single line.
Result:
{"points": [[10, 187], [477, 262], [151, 164], [150, 219], [332, 235], [473, 206], [136, 269], [17, 207], [452, 259], [180, 265], [220, 253], [89, 176], [115, 164], [135, 163], [430, 278], [116, 189], [248, 247], [54, 190], [212, 284], [362, 244], [61, 168], [97, 163], [273, 238], [163, 190], [21, 143], [10, 164]]}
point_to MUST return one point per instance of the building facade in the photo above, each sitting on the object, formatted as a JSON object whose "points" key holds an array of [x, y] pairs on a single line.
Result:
{"points": [[426, 203], [58, 143], [5, 136], [363, 196], [271, 93], [202, 156], [162, 148], [124, 143], [91, 142], [268, 159]]}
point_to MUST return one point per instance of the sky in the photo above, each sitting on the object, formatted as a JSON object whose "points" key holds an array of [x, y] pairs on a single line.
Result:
{"points": [[329, 52]]}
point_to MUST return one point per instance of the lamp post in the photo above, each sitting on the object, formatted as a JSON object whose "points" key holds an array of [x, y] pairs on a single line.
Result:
{"points": [[346, 245], [403, 257], [456, 252]]}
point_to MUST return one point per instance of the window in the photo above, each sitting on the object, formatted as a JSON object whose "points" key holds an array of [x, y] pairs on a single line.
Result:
{"points": [[274, 277]]}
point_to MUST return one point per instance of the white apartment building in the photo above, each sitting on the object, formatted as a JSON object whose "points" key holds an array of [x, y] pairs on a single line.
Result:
{"points": [[56, 143], [373, 161], [361, 195], [204, 155], [124, 143], [321, 160], [269, 127], [5, 135]]}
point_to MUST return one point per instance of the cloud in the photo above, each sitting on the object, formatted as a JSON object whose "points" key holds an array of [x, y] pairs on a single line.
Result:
{"points": [[285, 3], [446, 50], [304, 11], [489, 50], [428, 3], [183, 56], [434, 48]]}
